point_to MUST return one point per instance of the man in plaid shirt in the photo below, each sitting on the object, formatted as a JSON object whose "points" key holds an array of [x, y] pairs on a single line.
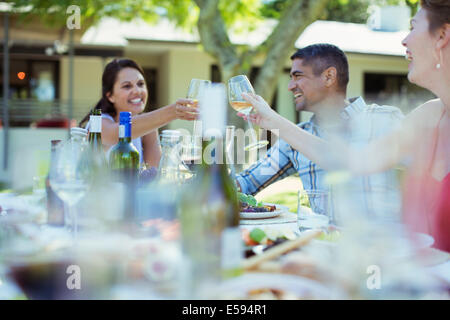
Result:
{"points": [[319, 78]]}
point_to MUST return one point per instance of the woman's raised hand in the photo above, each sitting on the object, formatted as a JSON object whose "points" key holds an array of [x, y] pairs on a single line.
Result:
{"points": [[264, 115], [186, 109]]}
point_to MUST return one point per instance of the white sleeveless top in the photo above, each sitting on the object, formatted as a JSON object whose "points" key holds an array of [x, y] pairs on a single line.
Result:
{"points": [[136, 142]]}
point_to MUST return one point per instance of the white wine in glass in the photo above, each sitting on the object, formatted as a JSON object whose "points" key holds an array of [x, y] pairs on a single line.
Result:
{"points": [[195, 90], [236, 86]]}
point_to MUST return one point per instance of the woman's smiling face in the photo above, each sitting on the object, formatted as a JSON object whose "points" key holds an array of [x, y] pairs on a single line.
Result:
{"points": [[129, 92], [421, 49]]}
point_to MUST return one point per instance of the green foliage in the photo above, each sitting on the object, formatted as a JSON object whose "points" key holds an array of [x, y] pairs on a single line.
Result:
{"points": [[242, 15], [354, 11], [272, 9]]}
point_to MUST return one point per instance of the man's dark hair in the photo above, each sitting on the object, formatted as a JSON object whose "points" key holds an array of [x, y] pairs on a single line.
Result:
{"points": [[322, 56]]}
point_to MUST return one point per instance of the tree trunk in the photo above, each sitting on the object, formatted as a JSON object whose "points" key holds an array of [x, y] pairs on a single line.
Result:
{"points": [[281, 43], [277, 48]]}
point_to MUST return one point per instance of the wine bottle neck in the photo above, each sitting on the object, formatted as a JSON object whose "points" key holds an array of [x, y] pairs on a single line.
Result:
{"points": [[95, 124], [125, 132], [94, 136], [125, 140]]}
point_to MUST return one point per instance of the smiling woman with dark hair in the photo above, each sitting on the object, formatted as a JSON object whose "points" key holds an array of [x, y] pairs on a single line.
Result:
{"points": [[124, 89], [424, 136]]}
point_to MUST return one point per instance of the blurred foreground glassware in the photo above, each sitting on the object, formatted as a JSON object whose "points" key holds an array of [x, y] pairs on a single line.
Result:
{"points": [[313, 210], [374, 257], [209, 209], [69, 180], [229, 149], [55, 206], [51, 272], [171, 168], [195, 90]]}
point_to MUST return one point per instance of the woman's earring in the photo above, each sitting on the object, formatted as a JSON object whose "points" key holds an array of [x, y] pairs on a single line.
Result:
{"points": [[438, 66]]}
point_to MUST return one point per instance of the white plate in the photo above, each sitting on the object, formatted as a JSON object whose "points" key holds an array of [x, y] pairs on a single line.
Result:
{"points": [[264, 215], [297, 287]]}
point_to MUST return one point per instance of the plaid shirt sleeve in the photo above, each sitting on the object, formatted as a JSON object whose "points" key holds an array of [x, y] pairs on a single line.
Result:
{"points": [[275, 166]]}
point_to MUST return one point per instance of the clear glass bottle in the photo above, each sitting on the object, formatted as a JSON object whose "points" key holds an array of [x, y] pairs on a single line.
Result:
{"points": [[171, 167], [55, 206]]}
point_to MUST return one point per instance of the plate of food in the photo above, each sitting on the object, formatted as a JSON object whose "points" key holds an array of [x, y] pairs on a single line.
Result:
{"points": [[253, 209], [267, 286]]}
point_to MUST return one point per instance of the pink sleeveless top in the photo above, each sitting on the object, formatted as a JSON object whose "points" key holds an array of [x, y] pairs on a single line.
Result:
{"points": [[426, 201]]}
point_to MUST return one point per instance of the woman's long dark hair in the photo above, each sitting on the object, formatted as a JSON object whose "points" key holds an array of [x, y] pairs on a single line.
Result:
{"points": [[108, 79]]}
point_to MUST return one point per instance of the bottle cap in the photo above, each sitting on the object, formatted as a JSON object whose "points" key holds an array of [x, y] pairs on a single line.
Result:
{"points": [[78, 132], [55, 142], [96, 112], [125, 117], [171, 135]]}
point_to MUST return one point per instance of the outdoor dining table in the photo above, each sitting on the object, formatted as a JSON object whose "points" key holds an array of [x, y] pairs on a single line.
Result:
{"points": [[438, 263]]}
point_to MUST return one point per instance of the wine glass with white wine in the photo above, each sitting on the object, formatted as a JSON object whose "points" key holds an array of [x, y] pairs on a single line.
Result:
{"points": [[236, 86], [196, 87]]}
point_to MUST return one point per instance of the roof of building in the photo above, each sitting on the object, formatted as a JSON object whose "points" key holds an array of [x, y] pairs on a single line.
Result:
{"points": [[350, 37], [353, 37]]}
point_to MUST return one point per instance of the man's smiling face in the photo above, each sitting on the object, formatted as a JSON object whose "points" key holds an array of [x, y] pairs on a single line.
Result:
{"points": [[308, 88]]}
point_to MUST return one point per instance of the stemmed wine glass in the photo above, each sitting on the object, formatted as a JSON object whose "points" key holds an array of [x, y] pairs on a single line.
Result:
{"points": [[195, 90], [69, 179], [236, 86]]}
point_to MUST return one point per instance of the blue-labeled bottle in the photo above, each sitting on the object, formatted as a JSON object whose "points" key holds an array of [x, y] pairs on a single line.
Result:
{"points": [[124, 162]]}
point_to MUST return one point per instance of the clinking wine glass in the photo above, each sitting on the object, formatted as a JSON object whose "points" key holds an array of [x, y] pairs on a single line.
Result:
{"points": [[69, 180], [195, 90], [236, 86]]}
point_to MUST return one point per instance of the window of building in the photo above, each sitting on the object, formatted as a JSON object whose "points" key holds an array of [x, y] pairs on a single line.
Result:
{"points": [[394, 90], [32, 79], [33, 90], [151, 79]]}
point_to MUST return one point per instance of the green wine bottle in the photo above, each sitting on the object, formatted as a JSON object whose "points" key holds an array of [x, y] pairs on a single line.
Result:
{"points": [[96, 155], [209, 209], [124, 163]]}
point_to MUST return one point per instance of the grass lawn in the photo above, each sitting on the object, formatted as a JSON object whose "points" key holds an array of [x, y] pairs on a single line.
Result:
{"points": [[288, 199]]}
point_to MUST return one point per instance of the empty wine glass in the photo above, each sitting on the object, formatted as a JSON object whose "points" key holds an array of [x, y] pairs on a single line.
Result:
{"points": [[69, 180], [236, 86], [195, 90]]}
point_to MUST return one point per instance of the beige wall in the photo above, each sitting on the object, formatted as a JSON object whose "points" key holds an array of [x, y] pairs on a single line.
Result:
{"points": [[28, 154], [87, 81]]}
